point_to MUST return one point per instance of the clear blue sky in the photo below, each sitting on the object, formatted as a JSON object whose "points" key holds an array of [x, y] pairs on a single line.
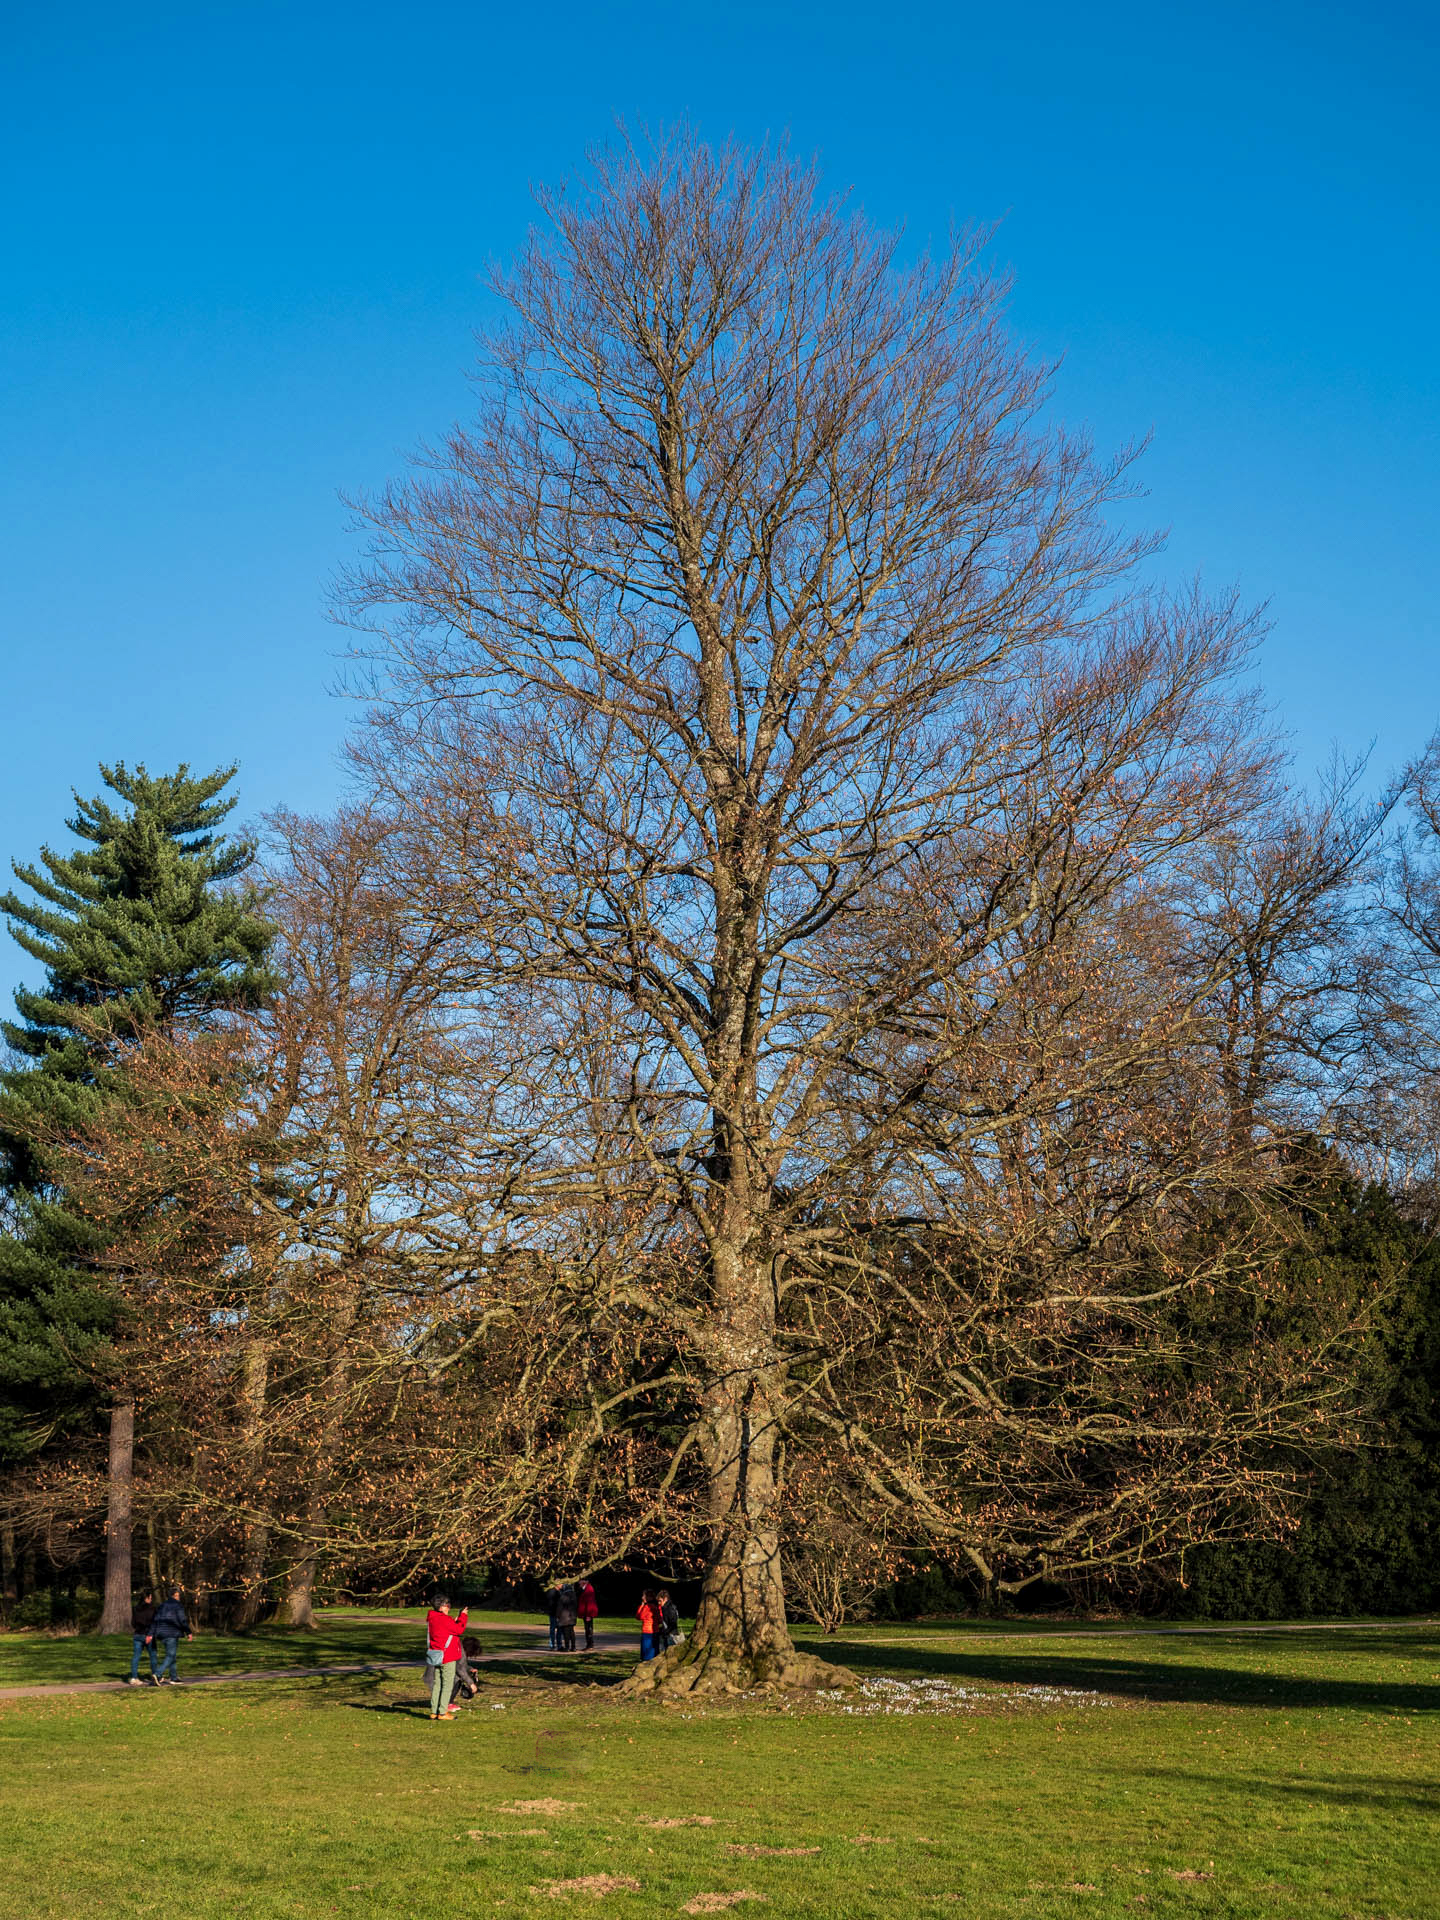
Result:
{"points": [[239, 270]]}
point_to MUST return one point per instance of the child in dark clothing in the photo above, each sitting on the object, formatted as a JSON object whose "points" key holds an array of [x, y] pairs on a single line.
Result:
{"points": [[465, 1682]]}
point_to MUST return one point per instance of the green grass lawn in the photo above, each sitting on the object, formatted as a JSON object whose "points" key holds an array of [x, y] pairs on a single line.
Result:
{"points": [[40, 1659], [1216, 1775]]}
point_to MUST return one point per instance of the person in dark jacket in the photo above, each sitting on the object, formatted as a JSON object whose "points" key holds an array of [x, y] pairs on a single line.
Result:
{"points": [[466, 1685], [565, 1619], [667, 1625], [168, 1627], [142, 1626]]}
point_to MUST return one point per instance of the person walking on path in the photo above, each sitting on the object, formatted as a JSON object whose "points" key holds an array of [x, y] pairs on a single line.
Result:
{"points": [[647, 1613], [587, 1608], [552, 1602], [142, 1627], [168, 1628], [444, 1647], [565, 1618]]}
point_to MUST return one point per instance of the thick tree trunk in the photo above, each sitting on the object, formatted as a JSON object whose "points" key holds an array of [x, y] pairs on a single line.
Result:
{"points": [[115, 1611], [741, 1638], [251, 1603], [297, 1609], [9, 1576], [257, 1534]]}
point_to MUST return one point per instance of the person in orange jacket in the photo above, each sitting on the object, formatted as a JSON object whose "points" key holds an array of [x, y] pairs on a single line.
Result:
{"points": [[443, 1649], [648, 1613], [587, 1610]]}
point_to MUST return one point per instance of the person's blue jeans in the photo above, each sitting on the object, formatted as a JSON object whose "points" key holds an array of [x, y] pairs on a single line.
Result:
{"points": [[647, 1646], [141, 1644], [169, 1646]]}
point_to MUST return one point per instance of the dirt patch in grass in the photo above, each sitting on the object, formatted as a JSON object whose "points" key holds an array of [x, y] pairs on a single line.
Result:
{"points": [[593, 1885], [538, 1806], [1190, 1873], [718, 1902], [502, 1833], [681, 1820], [745, 1852], [871, 1840]]}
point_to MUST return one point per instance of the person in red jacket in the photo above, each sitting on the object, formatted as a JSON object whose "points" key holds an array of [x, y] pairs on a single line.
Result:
{"points": [[587, 1609], [443, 1649]]}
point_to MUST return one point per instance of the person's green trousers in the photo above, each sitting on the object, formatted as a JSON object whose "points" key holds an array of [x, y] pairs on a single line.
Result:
{"points": [[442, 1685]]}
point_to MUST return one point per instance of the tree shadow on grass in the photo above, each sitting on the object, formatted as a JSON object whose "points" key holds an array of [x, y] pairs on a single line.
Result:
{"points": [[595, 1670], [1149, 1678], [1394, 1796]]}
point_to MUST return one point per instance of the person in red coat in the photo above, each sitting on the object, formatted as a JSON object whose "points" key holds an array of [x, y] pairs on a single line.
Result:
{"points": [[443, 1649], [587, 1608]]}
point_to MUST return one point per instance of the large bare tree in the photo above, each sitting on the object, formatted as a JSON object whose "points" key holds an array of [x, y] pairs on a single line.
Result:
{"points": [[762, 689]]}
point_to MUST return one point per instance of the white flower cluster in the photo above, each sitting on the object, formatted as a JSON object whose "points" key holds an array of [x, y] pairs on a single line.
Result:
{"points": [[928, 1695]]}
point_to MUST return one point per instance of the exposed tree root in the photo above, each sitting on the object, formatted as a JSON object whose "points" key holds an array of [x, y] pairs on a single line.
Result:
{"points": [[709, 1669]]}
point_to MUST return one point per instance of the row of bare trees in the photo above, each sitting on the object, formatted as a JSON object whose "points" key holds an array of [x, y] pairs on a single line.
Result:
{"points": [[805, 1031]]}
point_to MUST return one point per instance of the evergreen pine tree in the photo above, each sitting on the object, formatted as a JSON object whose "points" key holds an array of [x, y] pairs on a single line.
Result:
{"points": [[1365, 1542], [137, 930]]}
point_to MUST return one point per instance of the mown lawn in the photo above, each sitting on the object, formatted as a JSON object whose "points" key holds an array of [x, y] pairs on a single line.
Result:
{"points": [[343, 1638], [1223, 1775]]}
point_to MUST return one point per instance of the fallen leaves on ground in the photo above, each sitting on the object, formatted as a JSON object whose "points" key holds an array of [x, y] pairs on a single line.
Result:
{"points": [[596, 1885], [538, 1806], [753, 1852], [718, 1902]]}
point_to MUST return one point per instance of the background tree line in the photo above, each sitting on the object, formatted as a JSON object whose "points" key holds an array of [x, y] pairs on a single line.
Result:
{"points": [[824, 1038]]}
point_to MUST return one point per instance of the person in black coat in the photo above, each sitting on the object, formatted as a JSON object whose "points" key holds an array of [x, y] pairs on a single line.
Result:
{"points": [[565, 1617], [168, 1627], [668, 1625], [142, 1627]]}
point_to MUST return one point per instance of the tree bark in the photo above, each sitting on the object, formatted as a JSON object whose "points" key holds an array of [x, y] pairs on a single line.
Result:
{"points": [[742, 1637], [8, 1578], [297, 1609], [115, 1611], [257, 1534], [251, 1603]]}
